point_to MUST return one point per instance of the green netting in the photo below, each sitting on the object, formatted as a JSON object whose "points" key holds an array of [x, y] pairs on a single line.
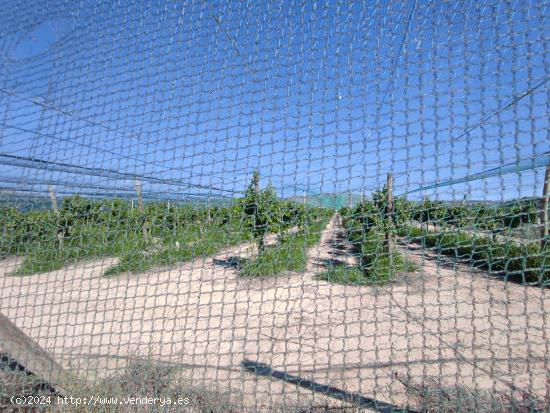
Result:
{"points": [[274, 206]]}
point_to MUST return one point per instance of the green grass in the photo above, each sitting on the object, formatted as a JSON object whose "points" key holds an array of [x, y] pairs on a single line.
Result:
{"points": [[529, 262], [137, 253], [376, 266], [344, 274], [86, 242], [159, 235], [379, 271], [177, 248], [289, 254]]}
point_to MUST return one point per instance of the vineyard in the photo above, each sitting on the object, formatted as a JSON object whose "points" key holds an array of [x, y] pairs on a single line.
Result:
{"points": [[473, 234], [164, 235], [367, 246], [160, 235]]}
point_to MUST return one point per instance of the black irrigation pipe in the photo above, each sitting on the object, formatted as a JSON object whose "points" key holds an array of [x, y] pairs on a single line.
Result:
{"points": [[265, 370]]}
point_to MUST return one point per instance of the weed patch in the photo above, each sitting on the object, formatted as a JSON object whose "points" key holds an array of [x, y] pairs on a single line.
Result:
{"points": [[433, 397], [289, 254], [527, 263], [376, 266], [181, 247]]}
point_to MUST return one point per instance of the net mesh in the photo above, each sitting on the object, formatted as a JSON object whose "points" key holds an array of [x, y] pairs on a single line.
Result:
{"points": [[275, 206]]}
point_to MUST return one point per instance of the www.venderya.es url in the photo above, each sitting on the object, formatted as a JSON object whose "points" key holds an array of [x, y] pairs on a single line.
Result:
{"points": [[98, 401]]}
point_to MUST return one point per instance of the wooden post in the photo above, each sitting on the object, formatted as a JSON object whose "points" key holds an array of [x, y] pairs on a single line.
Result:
{"points": [[389, 212], [53, 198], [28, 353], [141, 209], [544, 206], [140, 196], [256, 184], [60, 233]]}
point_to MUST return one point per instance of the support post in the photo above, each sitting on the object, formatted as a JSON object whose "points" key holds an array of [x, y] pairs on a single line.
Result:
{"points": [[53, 198], [389, 212], [28, 353], [256, 184], [139, 196], [544, 206], [60, 233], [141, 209]]}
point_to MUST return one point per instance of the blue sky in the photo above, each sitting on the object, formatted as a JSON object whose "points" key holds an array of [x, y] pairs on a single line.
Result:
{"points": [[319, 96]]}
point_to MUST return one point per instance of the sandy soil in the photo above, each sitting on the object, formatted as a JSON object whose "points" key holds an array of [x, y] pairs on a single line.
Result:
{"points": [[445, 320]]}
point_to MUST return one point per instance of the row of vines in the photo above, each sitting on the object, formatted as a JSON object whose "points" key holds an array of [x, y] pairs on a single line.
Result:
{"points": [[160, 234], [457, 230]]}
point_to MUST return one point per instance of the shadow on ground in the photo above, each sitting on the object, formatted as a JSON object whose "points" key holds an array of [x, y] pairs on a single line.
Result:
{"points": [[330, 262], [432, 254], [230, 262]]}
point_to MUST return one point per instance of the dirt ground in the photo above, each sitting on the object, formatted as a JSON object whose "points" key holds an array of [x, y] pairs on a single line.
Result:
{"points": [[445, 321]]}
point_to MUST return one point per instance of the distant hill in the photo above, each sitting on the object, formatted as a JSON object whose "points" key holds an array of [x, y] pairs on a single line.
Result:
{"points": [[335, 201]]}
